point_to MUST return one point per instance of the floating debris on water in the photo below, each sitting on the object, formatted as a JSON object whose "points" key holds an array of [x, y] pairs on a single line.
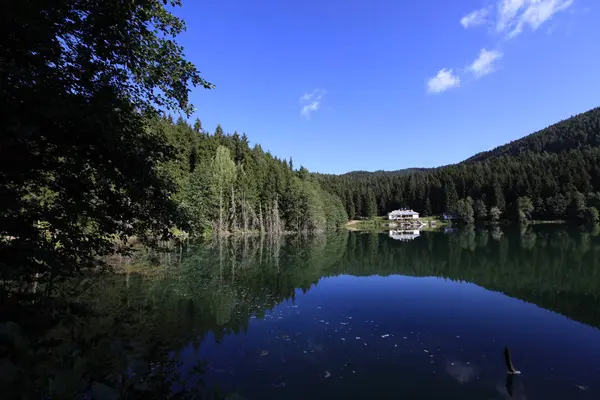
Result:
{"points": [[358, 338], [327, 374], [343, 339], [343, 323], [581, 387], [321, 320], [386, 335], [264, 353], [426, 351]]}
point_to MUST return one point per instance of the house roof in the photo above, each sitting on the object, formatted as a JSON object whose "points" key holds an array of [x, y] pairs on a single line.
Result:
{"points": [[403, 212]]}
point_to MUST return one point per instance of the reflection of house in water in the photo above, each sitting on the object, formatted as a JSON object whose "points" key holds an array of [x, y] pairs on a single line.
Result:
{"points": [[404, 235]]}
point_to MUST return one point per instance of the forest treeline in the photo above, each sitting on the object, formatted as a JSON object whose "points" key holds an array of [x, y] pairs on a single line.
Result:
{"points": [[89, 158], [551, 174], [224, 185]]}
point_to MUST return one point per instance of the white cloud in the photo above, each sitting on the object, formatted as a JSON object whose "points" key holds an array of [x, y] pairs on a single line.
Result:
{"points": [[514, 15], [510, 19], [475, 18], [484, 64], [507, 12], [311, 102], [444, 80]]}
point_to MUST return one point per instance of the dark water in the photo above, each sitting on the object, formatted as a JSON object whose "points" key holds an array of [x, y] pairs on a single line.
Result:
{"points": [[356, 315]]}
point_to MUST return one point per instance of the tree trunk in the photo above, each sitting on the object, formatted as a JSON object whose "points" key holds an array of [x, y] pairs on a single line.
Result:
{"points": [[260, 218], [233, 216], [220, 210]]}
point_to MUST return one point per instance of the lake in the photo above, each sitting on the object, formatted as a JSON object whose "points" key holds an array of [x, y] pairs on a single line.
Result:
{"points": [[373, 315]]}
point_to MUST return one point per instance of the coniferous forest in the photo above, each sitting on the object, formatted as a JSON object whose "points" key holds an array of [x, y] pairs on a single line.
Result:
{"points": [[101, 155], [224, 185], [97, 144], [551, 174], [89, 152]]}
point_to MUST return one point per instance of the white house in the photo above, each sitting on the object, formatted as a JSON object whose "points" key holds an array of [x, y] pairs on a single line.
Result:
{"points": [[402, 215], [405, 235]]}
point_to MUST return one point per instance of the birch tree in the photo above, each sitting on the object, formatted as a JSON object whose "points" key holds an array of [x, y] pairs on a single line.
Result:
{"points": [[223, 177]]}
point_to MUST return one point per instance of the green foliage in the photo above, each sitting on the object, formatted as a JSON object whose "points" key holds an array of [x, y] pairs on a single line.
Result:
{"points": [[577, 205], [79, 166], [464, 209], [88, 158], [224, 172], [524, 208], [230, 187], [495, 214], [558, 168], [576, 133], [480, 210], [590, 215]]}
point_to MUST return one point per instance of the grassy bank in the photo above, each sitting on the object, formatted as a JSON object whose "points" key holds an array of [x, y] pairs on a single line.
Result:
{"points": [[382, 223]]}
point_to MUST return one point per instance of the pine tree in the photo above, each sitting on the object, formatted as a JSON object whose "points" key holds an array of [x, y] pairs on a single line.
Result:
{"points": [[198, 126], [480, 210], [219, 132]]}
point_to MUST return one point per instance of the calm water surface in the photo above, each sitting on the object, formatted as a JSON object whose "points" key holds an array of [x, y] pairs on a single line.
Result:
{"points": [[366, 316]]}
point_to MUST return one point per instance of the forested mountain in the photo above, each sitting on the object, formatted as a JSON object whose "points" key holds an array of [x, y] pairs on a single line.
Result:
{"points": [[551, 174], [578, 132], [399, 172]]}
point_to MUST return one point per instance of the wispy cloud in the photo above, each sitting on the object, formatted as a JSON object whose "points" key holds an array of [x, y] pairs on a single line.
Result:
{"points": [[475, 18], [444, 80], [311, 102], [514, 15], [510, 19], [484, 64]]}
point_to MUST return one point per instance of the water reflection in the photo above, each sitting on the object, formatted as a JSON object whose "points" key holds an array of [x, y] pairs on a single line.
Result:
{"points": [[265, 317], [404, 235], [245, 283]]}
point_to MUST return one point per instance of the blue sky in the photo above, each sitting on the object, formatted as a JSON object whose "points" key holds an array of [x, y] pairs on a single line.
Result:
{"points": [[343, 85]]}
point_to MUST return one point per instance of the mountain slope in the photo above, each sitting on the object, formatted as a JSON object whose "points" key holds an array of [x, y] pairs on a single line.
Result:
{"points": [[578, 132], [399, 172], [551, 174]]}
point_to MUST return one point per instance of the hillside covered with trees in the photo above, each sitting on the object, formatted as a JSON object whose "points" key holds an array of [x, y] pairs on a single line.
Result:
{"points": [[551, 174], [223, 185], [88, 154]]}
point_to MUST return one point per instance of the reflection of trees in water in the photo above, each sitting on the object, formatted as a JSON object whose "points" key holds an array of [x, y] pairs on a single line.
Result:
{"points": [[554, 267], [136, 318]]}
